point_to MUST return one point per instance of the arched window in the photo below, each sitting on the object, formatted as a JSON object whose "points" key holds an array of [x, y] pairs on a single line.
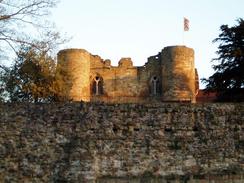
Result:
{"points": [[154, 86], [97, 86]]}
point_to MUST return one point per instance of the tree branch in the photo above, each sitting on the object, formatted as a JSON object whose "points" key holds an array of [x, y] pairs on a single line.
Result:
{"points": [[30, 9]]}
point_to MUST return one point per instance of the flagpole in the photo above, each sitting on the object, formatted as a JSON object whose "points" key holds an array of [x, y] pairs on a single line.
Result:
{"points": [[183, 32], [183, 37]]}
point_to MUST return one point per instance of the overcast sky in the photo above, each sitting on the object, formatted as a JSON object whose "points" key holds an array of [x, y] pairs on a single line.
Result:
{"points": [[141, 28]]}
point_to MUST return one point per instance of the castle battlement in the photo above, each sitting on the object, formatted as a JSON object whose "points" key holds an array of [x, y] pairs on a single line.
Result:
{"points": [[168, 76]]}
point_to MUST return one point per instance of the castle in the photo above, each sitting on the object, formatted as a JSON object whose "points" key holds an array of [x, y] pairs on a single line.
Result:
{"points": [[169, 76]]}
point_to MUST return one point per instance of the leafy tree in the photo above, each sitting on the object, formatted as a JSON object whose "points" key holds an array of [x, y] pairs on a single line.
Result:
{"points": [[25, 29], [228, 79], [34, 78], [61, 84]]}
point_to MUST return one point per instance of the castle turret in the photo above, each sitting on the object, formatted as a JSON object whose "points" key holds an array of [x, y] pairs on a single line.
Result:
{"points": [[178, 74], [77, 65]]}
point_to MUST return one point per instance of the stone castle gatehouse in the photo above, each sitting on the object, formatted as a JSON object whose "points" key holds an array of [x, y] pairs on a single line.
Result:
{"points": [[169, 76]]}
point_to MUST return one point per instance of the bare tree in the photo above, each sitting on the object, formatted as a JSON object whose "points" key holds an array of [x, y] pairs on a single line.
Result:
{"points": [[26, 22]]}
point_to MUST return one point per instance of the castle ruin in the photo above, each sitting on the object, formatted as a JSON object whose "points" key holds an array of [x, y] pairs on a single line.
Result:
{"points": [[169, 76]]}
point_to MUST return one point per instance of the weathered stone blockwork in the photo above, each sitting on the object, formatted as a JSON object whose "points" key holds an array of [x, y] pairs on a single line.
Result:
{"points": [[168, 76], [120, 143]]}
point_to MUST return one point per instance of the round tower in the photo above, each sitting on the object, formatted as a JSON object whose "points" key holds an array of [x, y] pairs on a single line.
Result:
{"points": [[178, 74], [76, 63]]}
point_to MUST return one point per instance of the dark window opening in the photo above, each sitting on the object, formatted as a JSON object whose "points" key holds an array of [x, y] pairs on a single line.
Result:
{"points": [[155, 86], [97, 86]]}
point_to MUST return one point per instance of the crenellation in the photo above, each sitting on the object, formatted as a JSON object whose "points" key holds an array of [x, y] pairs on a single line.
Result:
{"points": [[107, 63], [97, 62], [153, 59], [126, 63], [168, 76]]}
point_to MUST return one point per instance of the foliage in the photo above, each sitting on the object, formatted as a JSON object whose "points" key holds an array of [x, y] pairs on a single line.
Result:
{"points": [[228, 79], [34, 78], [25, 29], [4, 71]]}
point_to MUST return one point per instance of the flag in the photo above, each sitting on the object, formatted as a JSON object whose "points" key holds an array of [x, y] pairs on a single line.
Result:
{"points": [[186, 24]]}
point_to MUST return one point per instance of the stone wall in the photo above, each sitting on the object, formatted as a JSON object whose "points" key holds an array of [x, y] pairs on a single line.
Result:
{"points": [[173, 70], [178, 74], [120, 143], [125, 83], [77, 63]]}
